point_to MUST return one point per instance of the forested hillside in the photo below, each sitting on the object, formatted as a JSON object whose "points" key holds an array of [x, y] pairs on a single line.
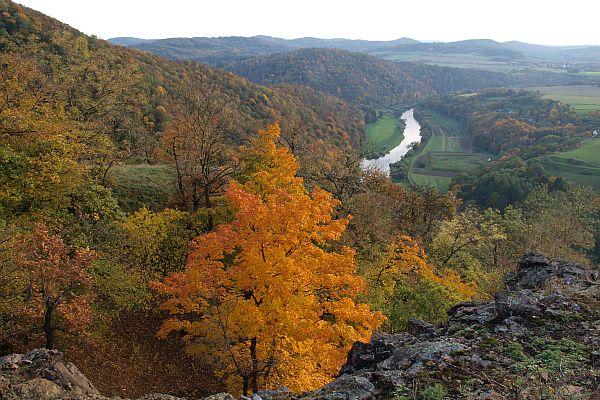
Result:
{"points": [[163, 220], [212, 51], [361, 79]]}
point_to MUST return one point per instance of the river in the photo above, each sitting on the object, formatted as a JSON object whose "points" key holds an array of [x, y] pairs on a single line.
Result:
{"points": [[412, 133]]}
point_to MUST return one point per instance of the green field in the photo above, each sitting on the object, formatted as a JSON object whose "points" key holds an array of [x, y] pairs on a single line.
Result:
{"points": [[385, 134], [463, 60], [440, 183], [582, 165], [445, 155], [140, 185], [583, 98]]}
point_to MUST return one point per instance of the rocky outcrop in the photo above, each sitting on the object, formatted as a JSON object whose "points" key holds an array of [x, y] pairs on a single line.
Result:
{"points": [[539, 338], [41, 374], [542, 334]]}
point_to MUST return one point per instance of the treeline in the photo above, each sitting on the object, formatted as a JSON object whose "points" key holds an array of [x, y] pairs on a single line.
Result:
{"points": [[509, 120], [253, 259], [516, 126], [212, 51], [362, 79]]}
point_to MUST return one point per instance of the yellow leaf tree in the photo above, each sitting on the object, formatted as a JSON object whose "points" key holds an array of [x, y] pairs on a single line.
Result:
{"points": [[265, 296], [408, 285]]}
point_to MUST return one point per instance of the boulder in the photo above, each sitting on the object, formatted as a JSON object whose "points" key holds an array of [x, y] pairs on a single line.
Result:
{"points": [[38, 389], [419, 328], [282, 393], [471, 313], [220, 396], [412, 358], [346, 387]]}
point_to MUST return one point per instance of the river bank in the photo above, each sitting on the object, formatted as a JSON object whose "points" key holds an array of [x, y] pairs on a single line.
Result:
{"points": [[412, 133]]}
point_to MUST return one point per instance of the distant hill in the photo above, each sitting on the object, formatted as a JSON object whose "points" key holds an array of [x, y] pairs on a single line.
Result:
{"points": [[217, 50], [465, 53], [129, 41], [557, 53], [212, 51], [343, 44], [481, 47], [361, 78]]}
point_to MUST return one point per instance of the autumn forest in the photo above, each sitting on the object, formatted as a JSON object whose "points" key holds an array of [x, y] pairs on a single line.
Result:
{"points": [[164, 216]]}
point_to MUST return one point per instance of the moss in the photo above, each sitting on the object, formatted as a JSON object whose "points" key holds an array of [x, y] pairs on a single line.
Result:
{"points": [[515, 351], [435, 392]]}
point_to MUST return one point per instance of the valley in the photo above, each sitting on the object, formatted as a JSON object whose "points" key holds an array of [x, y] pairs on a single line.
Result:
{"points": [[251, 217], [411, 133], [447, 153]]}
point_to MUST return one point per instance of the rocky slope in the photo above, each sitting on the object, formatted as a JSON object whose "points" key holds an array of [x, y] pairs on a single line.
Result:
{"points": [[539, 339]]}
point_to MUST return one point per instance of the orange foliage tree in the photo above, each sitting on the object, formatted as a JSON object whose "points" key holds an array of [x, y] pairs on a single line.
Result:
{"points": [[58, 276], [266, 296]]}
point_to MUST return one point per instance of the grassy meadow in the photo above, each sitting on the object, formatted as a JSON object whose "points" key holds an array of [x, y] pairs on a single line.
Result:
{"points": [[582, 165], [385, 134], [143, 185], [583, 98]]}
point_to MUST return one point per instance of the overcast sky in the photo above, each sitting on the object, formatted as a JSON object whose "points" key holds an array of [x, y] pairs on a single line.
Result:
{"points": [[563, 22]]}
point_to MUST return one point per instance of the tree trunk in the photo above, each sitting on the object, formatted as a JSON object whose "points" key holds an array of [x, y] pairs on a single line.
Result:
{"points": [[245, 386], [178, 169], [48, 309], [253, 356], [208, 205], [195, 198]]}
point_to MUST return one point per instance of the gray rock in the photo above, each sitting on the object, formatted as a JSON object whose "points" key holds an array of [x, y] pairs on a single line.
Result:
{"points": [[220, 396], [346, 387], [387, 381], [10, 361], [38, 388], [419, 328], [411, 358], [534, 270], [595, 358], [368, 355], [70, 376], [478, 361], [282, 393], [472, 313]]}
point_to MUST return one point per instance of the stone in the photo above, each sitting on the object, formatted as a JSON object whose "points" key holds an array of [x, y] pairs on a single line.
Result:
{"points": [[411, 358], [491, 395], [368, 355], [346, 387], [387, 381], [8, 362], [282, 393], [476, 360], [478, 337], [472, 313], [38, 388], [595, 358], [416, 327], [73, 378], [220, 396]]}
